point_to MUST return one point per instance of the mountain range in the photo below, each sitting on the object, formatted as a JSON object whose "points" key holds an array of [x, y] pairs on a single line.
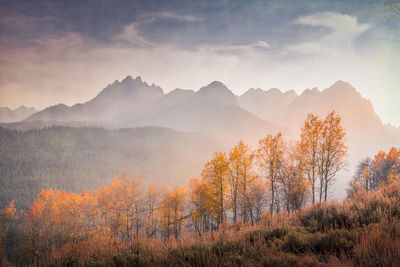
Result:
{"points": [[214, 110]]}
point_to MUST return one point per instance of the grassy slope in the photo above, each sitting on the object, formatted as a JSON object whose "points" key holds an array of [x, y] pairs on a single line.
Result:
{"points": [[360, 232]]}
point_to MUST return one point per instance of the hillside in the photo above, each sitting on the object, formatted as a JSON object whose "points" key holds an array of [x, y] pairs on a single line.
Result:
{"points": [[363, 231], [78, 159], [360, 232]]}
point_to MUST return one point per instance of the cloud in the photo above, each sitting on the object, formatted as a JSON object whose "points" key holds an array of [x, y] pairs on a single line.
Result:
{"points": [[342, 31], [22, 22], [13, 27], [336, 21], [262, 44], [132, 34], [247, 49], [169, 15]]}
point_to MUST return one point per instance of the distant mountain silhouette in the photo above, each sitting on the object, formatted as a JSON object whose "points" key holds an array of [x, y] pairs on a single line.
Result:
{"points": [[213, 109], [174, 97], [129, 96], [357, 113], [216, 93], [266, 104], [21, 113]]}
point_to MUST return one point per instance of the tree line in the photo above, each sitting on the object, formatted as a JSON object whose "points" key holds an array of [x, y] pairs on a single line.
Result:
{"points": [[372, 174]]}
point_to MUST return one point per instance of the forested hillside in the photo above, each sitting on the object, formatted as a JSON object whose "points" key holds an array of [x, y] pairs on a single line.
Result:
{"points": [[75, 159]]}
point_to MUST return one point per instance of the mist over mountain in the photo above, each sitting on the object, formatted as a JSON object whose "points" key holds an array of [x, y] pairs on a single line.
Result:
{"points": [[174, 97], [76, 159], [130, 96], [214, 110], [9, 115], [269, 104], [289, 110]]}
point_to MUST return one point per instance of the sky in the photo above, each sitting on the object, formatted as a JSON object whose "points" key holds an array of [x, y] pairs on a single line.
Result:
{"points": [[66, 51]]}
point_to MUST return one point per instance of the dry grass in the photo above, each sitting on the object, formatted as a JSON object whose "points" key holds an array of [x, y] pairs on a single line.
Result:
{"points": [[364, 231]]}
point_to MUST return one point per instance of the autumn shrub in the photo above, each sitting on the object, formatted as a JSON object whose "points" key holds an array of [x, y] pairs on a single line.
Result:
{"points": [[299, 240], [296, 243], [364, 209], [257, 248], [290, 260], [379, 245], [330, 215], [266, 235], [333, 242]]}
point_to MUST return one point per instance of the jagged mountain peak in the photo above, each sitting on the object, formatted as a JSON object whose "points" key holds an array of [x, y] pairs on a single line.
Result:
{"points": [[216, 93], [252, 91], [340, 83], [342, 88], [268, 93], [259, 91], [128, 88], [129, 79], [215, 85], [274, 91], [115, 101], [308, 92]]}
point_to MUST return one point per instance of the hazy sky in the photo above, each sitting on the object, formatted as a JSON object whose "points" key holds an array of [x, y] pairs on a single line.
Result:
{"points": [[67, 51]]}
